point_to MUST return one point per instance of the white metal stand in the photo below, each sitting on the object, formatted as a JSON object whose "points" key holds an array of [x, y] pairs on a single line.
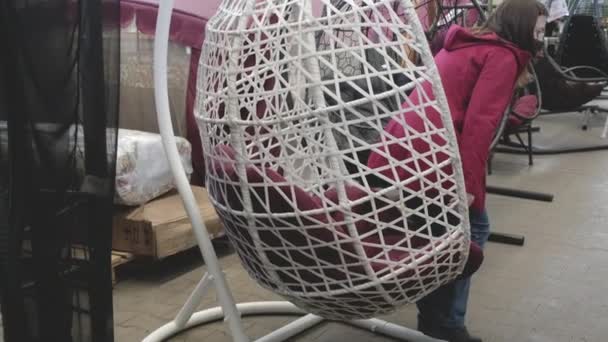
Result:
{"points": [[228, 310], [588, 113], [587, 118], [284, 333]]}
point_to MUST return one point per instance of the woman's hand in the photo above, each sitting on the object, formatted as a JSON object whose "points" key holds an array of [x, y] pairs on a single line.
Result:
{"points": [[470, 200]]}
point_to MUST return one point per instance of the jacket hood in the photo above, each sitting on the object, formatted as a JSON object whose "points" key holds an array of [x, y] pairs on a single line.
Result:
{"points": [[458, 38]]}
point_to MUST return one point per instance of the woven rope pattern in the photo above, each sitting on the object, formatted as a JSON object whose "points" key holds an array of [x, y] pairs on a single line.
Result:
{"points": [[289, 107]]}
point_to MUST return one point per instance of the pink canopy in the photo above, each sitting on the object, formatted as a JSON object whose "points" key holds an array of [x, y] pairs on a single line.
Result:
{"points": [[199, 8], [206, 8], [188, 21], [187, 26], [190, 17]]}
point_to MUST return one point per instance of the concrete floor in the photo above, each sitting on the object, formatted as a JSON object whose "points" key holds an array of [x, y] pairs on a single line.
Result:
{"points": [[553, 289]]}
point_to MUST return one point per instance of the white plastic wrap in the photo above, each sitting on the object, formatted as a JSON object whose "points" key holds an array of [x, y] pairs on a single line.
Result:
{"points": [[557, 9], [142, 170]]}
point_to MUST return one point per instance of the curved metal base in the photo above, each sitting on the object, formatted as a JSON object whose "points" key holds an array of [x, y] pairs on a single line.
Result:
{"points": [[286, 332], [215, 314]]}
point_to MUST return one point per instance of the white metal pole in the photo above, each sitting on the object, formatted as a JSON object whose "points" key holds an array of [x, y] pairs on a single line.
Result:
{"points": [[392, 330], [290, 330], [211, 315], [193, 301], [161, 94]]}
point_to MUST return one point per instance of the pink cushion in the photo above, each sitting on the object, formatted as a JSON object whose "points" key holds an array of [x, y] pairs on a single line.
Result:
{"points": [[271, 192], [474, 261], [223, 160], [526, 107]]}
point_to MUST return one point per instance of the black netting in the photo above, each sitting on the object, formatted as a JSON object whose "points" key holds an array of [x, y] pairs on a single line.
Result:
{"points": [[59, 80]]}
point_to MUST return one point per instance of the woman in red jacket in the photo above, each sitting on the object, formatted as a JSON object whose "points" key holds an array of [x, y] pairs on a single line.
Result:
{"points": [[479, 70]]}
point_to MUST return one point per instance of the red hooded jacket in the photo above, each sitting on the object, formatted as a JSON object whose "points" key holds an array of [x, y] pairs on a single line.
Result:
{"points": [[479, 74]]}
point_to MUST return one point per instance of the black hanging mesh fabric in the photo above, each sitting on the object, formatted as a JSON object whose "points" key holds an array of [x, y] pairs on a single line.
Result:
{"points": [[59, 80]]}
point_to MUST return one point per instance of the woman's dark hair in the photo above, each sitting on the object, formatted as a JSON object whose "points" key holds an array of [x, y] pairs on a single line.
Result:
{"points": [[514, 20]]}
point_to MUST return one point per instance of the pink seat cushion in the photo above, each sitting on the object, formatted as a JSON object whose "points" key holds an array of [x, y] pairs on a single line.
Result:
{"points": [[315, 241], [320, 238], [474, 261], [525, 107]]}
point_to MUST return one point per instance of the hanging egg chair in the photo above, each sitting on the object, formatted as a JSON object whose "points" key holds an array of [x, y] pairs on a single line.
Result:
{"points": [[466, 13], [583, 41], [276, 124]]}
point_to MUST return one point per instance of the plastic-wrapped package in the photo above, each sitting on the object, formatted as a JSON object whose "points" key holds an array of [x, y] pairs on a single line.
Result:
{"points": [[557, 9], [142, 170]]}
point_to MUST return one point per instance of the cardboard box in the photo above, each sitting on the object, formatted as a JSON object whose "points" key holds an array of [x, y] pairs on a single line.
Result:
{"points": [[161, 227]]}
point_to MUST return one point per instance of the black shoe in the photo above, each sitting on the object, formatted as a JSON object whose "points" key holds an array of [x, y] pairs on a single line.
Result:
{"points": [[449, 334]]}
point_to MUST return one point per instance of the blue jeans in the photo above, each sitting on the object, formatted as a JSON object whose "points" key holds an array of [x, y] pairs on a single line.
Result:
{"points": [[447, 306]]}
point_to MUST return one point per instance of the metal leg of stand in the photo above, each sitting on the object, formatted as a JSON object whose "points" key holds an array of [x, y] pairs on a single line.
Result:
{"points": [[510, 239], [530, 154], [586, 119], [528, 195], [507, 239], [490, 160]]}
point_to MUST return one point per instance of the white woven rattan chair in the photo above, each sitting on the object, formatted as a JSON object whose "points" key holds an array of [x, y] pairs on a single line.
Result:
{"points": [[289, 107]]}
